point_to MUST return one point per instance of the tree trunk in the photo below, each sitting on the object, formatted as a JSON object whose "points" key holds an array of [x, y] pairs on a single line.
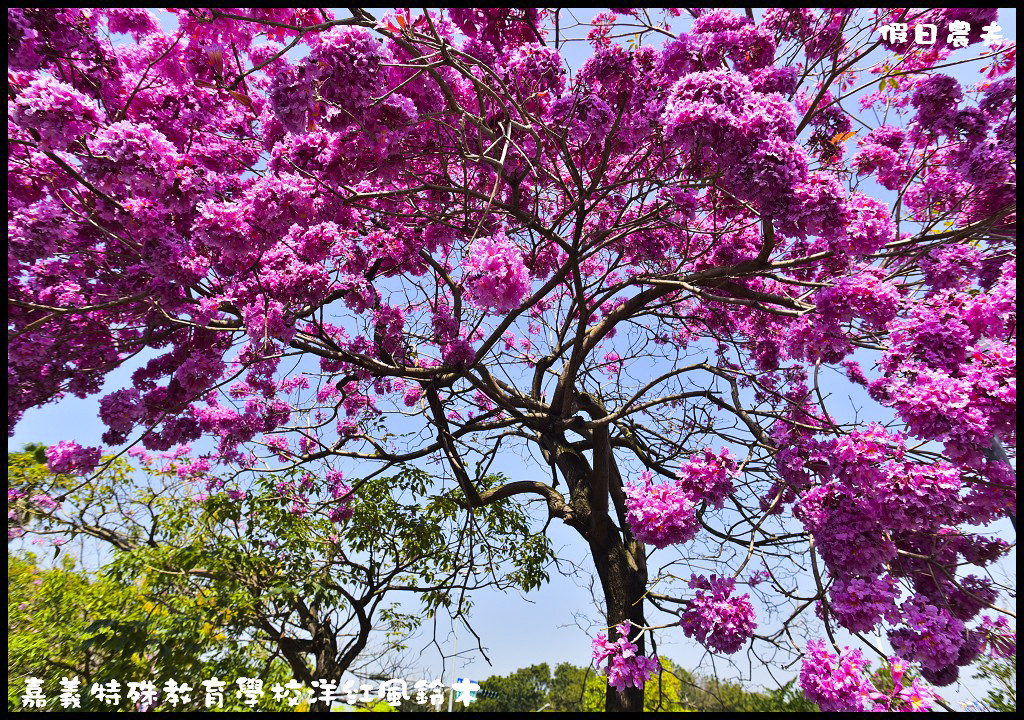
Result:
{"points": [[623, 574], [621, 563]]}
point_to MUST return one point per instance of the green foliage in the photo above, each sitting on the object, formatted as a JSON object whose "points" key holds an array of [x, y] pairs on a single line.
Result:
{"points": [[669, 690], [715, 695], [582, 689], [787, 698], [62, 622], [379, 706], [525, 690], [576, 689], [228, 574], [1002, 672], [278, 557], [571, 688]]}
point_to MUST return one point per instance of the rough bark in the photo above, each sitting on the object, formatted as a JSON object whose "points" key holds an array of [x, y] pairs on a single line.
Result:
{"points": [[618, 557], [623, 573]]}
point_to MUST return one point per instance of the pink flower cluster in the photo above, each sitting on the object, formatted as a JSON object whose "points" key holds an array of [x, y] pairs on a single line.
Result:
{"points": [[865, 295], [707, 476], [661, 515], [835, 683], [534, 69], [860, 604], [839, 683], [496, 276], [57, 111], [625, 668], [930, 636], [587, 118], [951, 266], [718, 620], [915, 698], [70, 457], [881, 152], [334, 82], [869, 504], [342, 494], [1000, 641], [950, 373]]}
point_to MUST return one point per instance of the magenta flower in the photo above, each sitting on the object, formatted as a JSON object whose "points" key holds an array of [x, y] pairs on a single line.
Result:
{"points": [[709, 476], [660, 515], [70, 457], [836, 684], [718, 620], [496, 276], [625, 668]]}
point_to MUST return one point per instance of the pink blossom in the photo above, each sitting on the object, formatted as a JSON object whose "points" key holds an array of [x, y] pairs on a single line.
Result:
{"points": [[708, 476], [625, 668], [836, 683], [57, 111], [495, 274], [70, 457], [661, 515], [718, 620]]}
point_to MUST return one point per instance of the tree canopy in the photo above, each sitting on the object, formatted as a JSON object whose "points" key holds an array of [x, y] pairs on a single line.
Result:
{"points": [[427, 254], [88, 631], [246, 566]]}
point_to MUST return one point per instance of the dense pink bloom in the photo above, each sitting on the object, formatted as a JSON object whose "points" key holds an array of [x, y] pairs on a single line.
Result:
{"points": [[881, 153], [860, 604], [458, 353], [836, 683], [496, 275], [121, 409], [661, 515], [70, 457], [852, 541], [57, 111], [588, 118], [718, 620], [864, 295], [534, 70], [708, 476], [137, 22], [930, 636], [625, 668], [936, 100], [951, 266]]}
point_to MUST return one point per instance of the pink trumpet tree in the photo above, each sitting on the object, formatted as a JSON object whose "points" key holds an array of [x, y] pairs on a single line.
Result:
{"points": [[429, 239]]}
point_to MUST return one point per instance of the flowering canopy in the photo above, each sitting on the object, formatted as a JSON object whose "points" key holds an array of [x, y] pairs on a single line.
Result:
{"points": [[604, 271]]}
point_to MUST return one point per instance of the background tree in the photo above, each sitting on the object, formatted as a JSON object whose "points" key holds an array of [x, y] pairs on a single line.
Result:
{"points": [[576, 689], [266, 567], [62, 623], [525, 690], [1003, 697], [425, 242], [571, 688], [786, 698]]}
